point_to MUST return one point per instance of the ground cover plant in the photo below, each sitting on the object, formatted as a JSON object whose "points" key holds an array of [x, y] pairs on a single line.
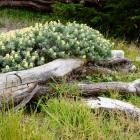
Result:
{"points": [[39, 44], [65, 118]]}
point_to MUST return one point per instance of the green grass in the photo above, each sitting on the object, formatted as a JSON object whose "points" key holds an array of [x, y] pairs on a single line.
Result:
{"points": [[67, 120], [62, 115], [21, 18]]}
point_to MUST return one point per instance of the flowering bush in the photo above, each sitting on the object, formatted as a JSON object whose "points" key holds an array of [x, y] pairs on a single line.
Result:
{"points": [[34, 46]]}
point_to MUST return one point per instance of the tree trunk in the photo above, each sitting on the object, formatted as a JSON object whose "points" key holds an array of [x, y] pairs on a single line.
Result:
{"points": [[94, 89], [44, 5], [88, 89], [19, 85]]}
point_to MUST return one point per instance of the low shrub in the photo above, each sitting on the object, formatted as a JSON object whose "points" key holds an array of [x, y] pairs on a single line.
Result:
{"points": [[34, 46], [118, 19]]}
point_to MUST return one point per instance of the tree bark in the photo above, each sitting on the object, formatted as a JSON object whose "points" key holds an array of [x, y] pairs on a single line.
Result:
{"points": [[44, 5], [114, 64], [88, 89], [95, 89]]}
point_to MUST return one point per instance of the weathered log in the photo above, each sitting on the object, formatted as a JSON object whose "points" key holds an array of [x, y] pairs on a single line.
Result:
{"points": [[44, 5], [117, 106], [117, 63], [94, 89], [88, 89], [120, 65], [17, 85], [21, 86]]}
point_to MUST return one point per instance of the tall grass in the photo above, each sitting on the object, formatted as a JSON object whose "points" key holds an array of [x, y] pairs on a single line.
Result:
{"points": [[67, 120], [18, 18]]}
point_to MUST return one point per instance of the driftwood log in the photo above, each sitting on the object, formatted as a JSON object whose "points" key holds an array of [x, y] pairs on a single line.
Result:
{"points": [[117, 63], [45, 5], [22, 85], [94, 89], [88, 89], [19, 87]]}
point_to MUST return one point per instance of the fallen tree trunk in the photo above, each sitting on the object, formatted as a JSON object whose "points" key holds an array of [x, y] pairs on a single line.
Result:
{"points": [[121, 65], [95, 89], [117, 63], [88, 89], [45, 5], [21, 86]]}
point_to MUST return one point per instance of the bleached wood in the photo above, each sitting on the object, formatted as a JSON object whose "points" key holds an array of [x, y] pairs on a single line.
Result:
{"points": [[101, 87], [117, 54], [57, 68], [18, 85], [112, 104], [116, 63]]}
